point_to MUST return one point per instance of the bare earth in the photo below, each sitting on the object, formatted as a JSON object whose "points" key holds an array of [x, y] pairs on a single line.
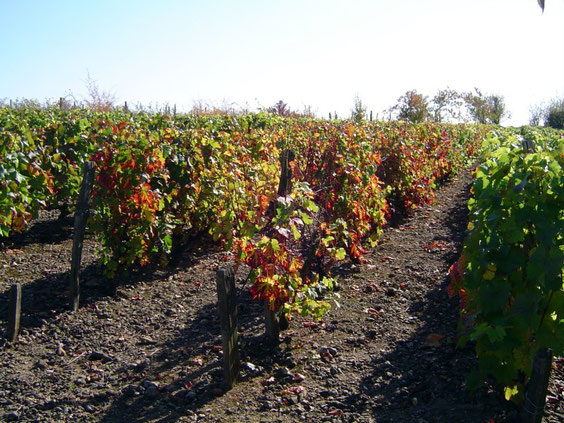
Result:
{"points": [[152, 352]]}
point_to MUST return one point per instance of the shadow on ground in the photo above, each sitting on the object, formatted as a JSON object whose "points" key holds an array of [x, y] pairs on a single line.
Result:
{"points": [[423, 377]]}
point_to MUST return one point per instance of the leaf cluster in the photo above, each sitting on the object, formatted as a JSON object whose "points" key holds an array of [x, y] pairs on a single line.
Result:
{"points": [[510, 277]]}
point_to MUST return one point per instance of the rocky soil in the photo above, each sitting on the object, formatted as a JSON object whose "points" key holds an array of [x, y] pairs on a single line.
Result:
{"points": [[152, 352]]}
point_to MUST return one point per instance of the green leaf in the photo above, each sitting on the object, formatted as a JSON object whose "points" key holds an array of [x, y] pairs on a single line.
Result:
{"points": [[536, 265], [340, 254], [306, 218], [167, 243], [512, 233], [311, 206], [275, 245], [19, 177]]}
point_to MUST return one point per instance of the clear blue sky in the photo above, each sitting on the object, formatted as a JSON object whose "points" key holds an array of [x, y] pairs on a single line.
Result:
{"points": [[305, 52]]}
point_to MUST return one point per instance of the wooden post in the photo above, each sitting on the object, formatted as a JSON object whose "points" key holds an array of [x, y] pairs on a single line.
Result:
{"points": [[61, 103], [14, 312], [529, 146], [80, 216], [285, 184], [125, 107], [227, 306], [272, 323], [11, 104], [535, 393], [272, 326]]}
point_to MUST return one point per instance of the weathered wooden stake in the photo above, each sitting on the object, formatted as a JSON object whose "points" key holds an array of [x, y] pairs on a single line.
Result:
{"points": [[80, 217], [529, 146], [61, 103], [14, 312], [125, 107], [284, 186], [272, 324], [535, 393], [227, 306]]}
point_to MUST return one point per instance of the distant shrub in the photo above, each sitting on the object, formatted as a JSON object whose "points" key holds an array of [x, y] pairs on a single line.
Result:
{"points": [[555, 114]]}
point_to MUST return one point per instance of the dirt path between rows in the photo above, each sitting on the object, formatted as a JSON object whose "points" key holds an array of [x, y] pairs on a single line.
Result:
{"points": [[152, 353]]}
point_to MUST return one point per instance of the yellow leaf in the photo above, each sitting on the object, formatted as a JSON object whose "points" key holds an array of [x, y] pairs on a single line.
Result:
{"points": [[510, 392]]}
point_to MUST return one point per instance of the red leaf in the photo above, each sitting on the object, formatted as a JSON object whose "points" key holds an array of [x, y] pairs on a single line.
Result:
{"points": [[294, 390]]}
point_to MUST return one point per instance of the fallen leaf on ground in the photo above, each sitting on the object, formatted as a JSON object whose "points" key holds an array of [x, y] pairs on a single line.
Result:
{"points": [[293, 390], [434, 340], [310, 324]]}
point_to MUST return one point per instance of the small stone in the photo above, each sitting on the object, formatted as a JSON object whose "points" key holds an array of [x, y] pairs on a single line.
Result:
{"points": [[40, 364], [217, 391], [267, 406], [151, 392], [250, 366], [60, 350], [335, 370], [99, 356], [89, 408], [145, 340], [283, 373], [129, 391], [150, 384], [12, 416], [141, 365], [180, 395]]}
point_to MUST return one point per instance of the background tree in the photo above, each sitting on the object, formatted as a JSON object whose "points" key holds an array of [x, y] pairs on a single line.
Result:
{"points": [[280, 108], [555, 114], [537, 114], [358, 112], [413, 107], [486, 108], [446, 106], [98, 99], [497, 109]]}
